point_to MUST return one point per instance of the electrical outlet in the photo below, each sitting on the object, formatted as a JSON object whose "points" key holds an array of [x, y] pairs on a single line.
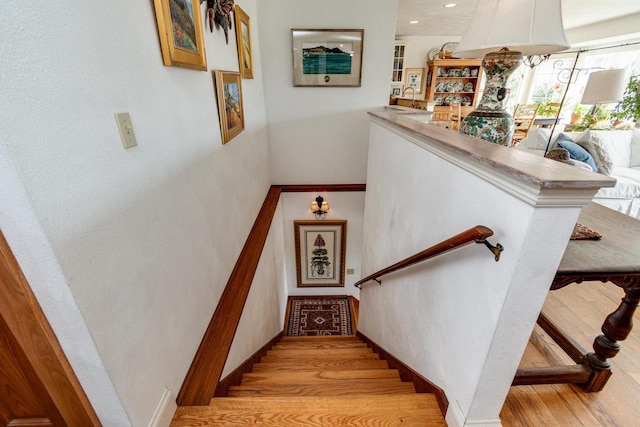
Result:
{"points": [[351, 271], [126, 129]]}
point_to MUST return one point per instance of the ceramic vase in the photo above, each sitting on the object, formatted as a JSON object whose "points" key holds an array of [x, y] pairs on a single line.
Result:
{"points": [[489, 121]]}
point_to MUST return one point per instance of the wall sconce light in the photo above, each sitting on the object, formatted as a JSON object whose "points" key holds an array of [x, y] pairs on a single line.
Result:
{"points": [[319, 207]]}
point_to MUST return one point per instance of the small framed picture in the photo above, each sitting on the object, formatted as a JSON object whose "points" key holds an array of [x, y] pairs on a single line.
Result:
{"points": [[330, 58], [229, 96], [243, 40], [395, 91], [413, 78], [180, 31], [320, 253]]}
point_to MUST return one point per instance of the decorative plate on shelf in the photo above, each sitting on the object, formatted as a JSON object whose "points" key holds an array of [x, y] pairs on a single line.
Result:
{"points": [[457, 87], [441, 72], [467, 99], [441, 87], [448, 100], [438, 100], [457, 99], [454, 72], [466, 72], [433, 53], [449, 87], [468, 87]]}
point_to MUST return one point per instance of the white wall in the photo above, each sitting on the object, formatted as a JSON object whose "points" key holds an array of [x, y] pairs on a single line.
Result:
{"points": [[462, 320], [144, 238], [343, 206], [319, 135], [263, 313]]}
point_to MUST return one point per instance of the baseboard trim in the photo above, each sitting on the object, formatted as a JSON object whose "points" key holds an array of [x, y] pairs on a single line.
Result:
{"points": [[421, 384], [163, 414], [455, 418], [235, 377]]}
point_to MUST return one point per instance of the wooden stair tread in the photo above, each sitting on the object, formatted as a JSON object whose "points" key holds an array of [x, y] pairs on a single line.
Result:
{"points": [[292, 352], [313, 365], [318, 344], [341, 389], [362, 410], [319, 377]]}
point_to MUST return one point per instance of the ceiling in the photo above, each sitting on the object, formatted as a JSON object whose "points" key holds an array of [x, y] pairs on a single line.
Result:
{"points": [[436, 20]]}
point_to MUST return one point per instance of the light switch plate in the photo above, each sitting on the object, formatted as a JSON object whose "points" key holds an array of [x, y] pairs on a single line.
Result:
{"points": [[126, 129], [351, 271]]}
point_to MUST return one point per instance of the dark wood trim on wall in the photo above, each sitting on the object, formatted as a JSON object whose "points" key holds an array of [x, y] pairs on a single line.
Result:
{"points": [[203, 378], [206, 369], [308, 188], [421, 384], [235, 377], [41, 366]]}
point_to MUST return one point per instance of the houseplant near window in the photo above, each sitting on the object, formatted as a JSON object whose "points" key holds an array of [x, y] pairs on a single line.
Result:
{"points": [[578, 111], [629, 107]]}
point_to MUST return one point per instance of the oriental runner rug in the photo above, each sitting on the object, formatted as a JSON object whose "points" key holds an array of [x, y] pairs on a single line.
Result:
{"points": [[319, 316]]}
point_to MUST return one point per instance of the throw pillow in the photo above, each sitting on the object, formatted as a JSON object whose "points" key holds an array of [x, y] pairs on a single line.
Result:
{"points": [[576, 152], [559, 154], [617, 143], [537, 139], [599, 154]]}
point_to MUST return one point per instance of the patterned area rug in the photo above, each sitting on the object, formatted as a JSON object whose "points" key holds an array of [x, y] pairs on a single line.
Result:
{"points": [[319, 316]]}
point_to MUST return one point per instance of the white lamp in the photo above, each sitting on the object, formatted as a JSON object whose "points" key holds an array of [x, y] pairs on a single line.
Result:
{"points": [[604, 87], [530, 27]]}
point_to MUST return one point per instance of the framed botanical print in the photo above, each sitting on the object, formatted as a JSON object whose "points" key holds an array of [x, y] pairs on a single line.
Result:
{"points": [[243, 40], [413, 78], [229, 96], [320, 253], [327, 57], [180, 31]]}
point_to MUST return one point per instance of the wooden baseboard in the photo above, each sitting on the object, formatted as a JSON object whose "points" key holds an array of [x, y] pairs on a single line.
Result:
{"points": [[235, 377], [421, 384]]}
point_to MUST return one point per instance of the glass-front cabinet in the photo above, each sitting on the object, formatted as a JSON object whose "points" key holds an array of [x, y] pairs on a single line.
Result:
{"points": [[398, 63]]}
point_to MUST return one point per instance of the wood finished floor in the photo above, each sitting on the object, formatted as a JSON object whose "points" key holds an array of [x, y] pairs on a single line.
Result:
{"points": [[580, 310]]}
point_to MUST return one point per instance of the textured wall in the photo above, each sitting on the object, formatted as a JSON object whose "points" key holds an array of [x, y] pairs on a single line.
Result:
{"points": [[145, 237], [319, 135]]}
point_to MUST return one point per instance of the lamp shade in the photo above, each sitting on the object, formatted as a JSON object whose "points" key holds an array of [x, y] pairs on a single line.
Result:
{"points": [[532, 27], [604, 87]]}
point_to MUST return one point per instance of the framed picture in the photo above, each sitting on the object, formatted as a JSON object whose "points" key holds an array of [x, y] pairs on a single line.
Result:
{"points": [[320, 253], [327, 57], [413, 78], [243, 40], [396, 91], [180, 30], [229, 96]]}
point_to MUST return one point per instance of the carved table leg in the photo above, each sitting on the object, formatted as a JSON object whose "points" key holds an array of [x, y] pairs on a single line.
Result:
{"points": [[616, 327]]}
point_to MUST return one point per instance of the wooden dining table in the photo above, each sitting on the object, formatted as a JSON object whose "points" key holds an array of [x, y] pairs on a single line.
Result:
{"points": [[615, 259]]}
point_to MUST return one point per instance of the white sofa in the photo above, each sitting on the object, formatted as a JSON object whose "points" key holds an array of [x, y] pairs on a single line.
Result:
{"points": [[616, 153]]}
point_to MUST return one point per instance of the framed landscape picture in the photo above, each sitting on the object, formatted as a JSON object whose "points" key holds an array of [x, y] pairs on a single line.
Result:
{"points": [[320, 253], [229, 96], [180, 31], [243, 40], [327, 57]]}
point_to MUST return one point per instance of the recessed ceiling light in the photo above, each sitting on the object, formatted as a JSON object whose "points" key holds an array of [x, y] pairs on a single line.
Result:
{"points": [[450, 5], [413, 22]]}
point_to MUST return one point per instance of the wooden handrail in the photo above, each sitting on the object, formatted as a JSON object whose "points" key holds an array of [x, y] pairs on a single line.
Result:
{"points": [[477, 234]]}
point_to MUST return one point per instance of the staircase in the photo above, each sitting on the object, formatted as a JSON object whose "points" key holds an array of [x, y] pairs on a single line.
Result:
{"points": [[318, 381]]}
